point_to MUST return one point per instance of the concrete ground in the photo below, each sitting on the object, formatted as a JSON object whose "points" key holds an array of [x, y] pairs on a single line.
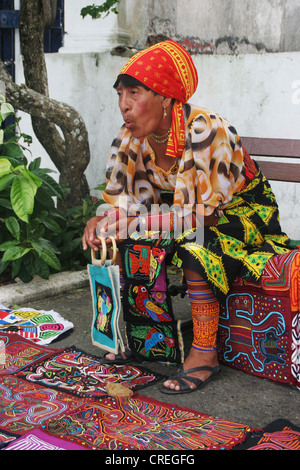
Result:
{"points": [[233, 395]]}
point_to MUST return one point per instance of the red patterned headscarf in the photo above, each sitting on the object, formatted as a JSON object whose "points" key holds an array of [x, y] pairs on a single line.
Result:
{"points": [[167, 69]]}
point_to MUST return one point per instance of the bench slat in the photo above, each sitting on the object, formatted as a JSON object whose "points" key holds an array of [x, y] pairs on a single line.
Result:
{"points": [[281, 171], [272, 147]]}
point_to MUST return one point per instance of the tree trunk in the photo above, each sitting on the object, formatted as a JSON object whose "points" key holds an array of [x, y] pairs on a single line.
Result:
{"points": [[70, 153]]}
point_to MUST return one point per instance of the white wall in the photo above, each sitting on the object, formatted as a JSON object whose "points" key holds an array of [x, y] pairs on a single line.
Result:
{"points": [[88, 35]]}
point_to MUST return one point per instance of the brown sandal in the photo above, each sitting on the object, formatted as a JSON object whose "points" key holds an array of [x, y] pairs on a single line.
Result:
{"points": [[182, 376]]}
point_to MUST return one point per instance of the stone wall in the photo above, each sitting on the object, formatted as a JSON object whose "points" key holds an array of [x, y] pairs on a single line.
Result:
{"points": [[218, 26]]}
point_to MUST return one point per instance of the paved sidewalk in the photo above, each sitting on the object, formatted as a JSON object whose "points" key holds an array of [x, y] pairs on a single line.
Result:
{"points": [[234, 395]]}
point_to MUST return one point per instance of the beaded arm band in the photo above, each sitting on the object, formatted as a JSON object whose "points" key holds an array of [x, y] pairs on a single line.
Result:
{"points": [[164, 221], [167, 221]]}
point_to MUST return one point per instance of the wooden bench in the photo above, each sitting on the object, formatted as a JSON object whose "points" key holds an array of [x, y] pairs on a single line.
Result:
{"points": [[275, 149]]}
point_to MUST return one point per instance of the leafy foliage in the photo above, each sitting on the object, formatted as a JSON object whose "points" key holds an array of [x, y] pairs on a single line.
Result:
{"points": [[96, 11], [35, 237]]}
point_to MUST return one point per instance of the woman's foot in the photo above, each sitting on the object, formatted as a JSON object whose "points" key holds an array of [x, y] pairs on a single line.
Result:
{"points": [[195, 359], [120, 358]]}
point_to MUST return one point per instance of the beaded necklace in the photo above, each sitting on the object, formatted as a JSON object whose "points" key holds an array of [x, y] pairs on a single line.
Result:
{"points": [[161, 139]]}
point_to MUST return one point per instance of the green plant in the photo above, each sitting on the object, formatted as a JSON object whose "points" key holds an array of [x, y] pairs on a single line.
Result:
{"points": [[96, 11], [36, 238], [27, 207]]}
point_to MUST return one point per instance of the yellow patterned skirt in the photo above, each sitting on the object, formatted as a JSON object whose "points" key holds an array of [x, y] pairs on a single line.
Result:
{"points": [[245, 238]]}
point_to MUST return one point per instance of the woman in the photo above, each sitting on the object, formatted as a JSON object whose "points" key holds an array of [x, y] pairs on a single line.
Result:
{"points": [[197, 156]]}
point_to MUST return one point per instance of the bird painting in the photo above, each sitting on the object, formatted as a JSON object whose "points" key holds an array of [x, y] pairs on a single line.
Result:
{"points": [[147, 306], [104, 308], [154, 337]]}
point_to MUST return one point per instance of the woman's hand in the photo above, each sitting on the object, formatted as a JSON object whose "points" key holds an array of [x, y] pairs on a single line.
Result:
{"points": [[99, 226], [120, 230], [90, 238]]}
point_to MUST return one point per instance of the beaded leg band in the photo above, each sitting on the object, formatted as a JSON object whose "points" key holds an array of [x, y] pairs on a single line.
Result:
{"points": [[205, 327], [205, 314]]}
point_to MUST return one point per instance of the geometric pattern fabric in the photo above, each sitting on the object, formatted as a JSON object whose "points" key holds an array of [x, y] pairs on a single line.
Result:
{"points": [[259, 326]]}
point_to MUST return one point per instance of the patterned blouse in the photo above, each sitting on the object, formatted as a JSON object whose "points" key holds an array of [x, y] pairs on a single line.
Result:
{"points": [[210, 171]]}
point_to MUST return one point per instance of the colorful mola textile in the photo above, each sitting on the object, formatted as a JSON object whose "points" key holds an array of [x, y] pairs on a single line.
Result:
{"points": [[38, 440], [140, 423], [278, 435], [16, 353], [259, 329], [73, 371], [7, 437], [25, 405], [153, 333], [39, 326]]}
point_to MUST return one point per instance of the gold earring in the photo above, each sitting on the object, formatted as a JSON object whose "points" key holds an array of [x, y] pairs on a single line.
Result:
{"points": [[165, 113]]}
